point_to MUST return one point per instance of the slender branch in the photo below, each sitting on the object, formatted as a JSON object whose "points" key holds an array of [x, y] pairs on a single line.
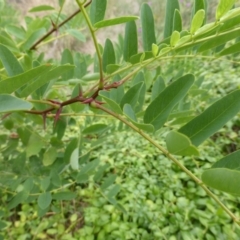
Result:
{"points": [[55, 28], [92, 31], [171, 157]]}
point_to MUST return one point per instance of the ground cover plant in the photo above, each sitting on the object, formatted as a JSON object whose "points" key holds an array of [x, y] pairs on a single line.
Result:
{"points": [[113, 146]]}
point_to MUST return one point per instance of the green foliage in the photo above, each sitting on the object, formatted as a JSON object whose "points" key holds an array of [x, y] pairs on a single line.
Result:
{"points": [[68, 139]]}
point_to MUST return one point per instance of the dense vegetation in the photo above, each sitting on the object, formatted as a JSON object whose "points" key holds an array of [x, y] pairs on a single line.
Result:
{"points": [[121, 144]]}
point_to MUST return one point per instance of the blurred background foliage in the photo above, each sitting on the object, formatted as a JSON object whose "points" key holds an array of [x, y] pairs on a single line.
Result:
{"points": [[160, 201]]}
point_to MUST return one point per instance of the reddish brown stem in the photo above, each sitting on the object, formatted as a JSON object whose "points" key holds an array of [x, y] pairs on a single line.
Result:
{"points": [[55, 28]]}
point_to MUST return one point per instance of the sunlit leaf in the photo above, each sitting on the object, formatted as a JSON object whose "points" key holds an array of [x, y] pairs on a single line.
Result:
{"points": [[197, 21], [41, 8], [223, 7], [155, 49], [174, 38]]}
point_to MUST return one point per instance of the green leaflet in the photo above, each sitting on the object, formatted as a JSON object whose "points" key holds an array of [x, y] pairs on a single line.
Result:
{"points": [[130, 44], [49, 156], [155, 49], [174, 38], [140, 101], [74, 159], [177, 21], [7, 41], [198, 5], [41, 8], [10, 62], [95, 129], [148, 29], [223, 7], [180, 144], [219, 40], [33, 38], [67, 58], [20, 197], [132, 95], [45, 182], [223, 179], [97, 10], [60, 196], [114, 21], [73, 144], [113, 105], [91, 76], [9, 103], [235, 48], [34, 145], [44, 200], [158, 86], [129, 113], [230, 14], [212, 119], [111, 68], [108, 54], [13, 30], [159, 109], [45, 78], [231, 161], [169, 17], [12, 84], [197, 21]]}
